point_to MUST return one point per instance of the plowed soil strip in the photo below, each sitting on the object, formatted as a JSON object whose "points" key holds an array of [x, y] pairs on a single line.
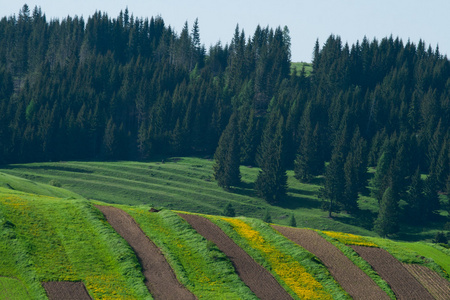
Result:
{"points": [[67, 290], [352, 279], [402, 283], [432, 281], [160, 278], [258, 279]]}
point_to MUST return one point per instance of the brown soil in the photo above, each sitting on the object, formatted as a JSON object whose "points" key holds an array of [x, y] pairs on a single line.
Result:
{"points": [[435, 284], [160, 278], [352, 279], [67, 290], [402, 283], [258, 279]]}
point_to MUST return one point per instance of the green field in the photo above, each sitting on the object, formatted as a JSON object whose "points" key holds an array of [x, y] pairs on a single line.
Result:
{"points": [[44, 238], [298, 66], [188, 184]]}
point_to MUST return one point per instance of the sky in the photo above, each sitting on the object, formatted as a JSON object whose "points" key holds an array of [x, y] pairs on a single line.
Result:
{"points": [[307, 20]]}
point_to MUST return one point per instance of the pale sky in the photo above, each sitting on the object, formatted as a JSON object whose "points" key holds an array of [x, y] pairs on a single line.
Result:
{"points": [[307, 20]]}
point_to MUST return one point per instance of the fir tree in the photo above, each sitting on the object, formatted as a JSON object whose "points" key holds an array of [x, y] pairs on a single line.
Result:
{"points": [[388, 215], [226, 166], [415, 199], [292, 221], [229, 211], [271, 183]]}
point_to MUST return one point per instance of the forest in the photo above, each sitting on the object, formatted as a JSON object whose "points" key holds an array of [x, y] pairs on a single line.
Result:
{"points": [[128, 88]]}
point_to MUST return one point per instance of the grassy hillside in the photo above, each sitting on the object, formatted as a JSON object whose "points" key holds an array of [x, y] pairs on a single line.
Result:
{"points": [[45, 238], [187, 184], [51, 239]]}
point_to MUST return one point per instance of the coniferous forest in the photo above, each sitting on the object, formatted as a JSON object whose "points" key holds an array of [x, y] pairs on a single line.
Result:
{"points": [[129, 88]]}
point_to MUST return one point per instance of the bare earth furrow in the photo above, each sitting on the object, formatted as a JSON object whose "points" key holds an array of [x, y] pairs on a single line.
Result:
{"points": [[403, 284], [352, 279], [258, 279], [435, 284], [67, 290], [160, 278]]}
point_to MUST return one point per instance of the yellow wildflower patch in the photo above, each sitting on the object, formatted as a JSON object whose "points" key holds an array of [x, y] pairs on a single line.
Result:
{"points": [[285, 266], [350, 239]]}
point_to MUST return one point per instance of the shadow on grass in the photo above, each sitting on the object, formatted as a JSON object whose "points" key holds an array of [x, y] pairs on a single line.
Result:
{"points": [[363, 218]]}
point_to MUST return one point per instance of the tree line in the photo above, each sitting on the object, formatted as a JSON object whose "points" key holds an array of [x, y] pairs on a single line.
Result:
{"points": [[133, 88]]}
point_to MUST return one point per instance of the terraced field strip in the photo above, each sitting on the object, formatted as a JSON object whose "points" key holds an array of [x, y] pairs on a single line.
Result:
{"points": [[160, 278], [432, 281], [258, 279], [352, 279], [403, 284], [12, 289], [67, 290]]}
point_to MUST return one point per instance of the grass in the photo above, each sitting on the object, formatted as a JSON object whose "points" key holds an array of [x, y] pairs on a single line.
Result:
{"points": [[12, 289], [297, 67], [198, 263], [24, 185], [65, 240], [185, 184], [294, 268]]}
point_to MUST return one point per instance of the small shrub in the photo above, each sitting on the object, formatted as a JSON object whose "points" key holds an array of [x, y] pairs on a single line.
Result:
{"points": [[267, 218], [229, 211], [55, 183], [292, 221]]}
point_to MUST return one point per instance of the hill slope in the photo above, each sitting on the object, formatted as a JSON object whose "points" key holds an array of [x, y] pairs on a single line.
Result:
{"points": [[69, 240], [187, 184]]}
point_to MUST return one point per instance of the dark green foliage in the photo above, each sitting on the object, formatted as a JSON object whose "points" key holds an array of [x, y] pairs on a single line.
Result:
{"points": [[440, 238], [229, 211], [226, 166], [132, 88], [431, 197], [292, 221], [267, 218], [388, 216], [416, 201], [271, 183]]}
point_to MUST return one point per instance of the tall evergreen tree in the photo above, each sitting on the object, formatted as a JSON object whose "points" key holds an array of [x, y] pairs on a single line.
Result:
{"points": [[415, 199], [271, 183], [388, 215], [227, 161], [333, 190]]}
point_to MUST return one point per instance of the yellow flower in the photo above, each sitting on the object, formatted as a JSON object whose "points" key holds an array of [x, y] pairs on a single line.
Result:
{"points": [[350, 239], [285, 266]]}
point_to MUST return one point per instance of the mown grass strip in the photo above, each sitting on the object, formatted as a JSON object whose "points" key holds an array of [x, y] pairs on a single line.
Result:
{"points": [[267, 248], [199, 264], [12, 289], [68, 241]]}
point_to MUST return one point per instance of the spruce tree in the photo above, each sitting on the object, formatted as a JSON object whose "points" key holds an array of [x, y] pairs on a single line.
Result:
{"points": [[388, 216], [415, 199], [292, 221], [226, 166], [334, 188], [271, 183]]}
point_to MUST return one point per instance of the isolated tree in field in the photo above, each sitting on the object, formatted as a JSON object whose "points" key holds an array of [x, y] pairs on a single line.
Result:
{"points": [[388, 215], [229, 211], [271, 183], [226, 166], [292, 221]]}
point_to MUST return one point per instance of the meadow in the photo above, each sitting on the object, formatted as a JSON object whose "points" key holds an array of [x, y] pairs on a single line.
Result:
{"points": [[50, 239], [187, 184]]}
